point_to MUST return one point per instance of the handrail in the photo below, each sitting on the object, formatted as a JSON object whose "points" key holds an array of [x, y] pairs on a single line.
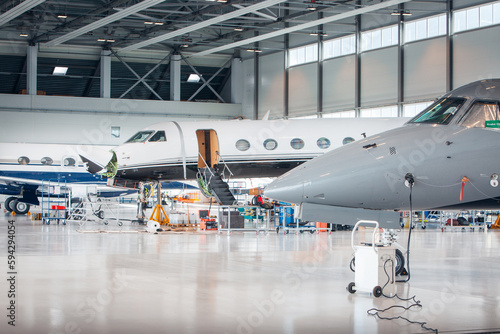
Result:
{"points": [[206, 165], [225, 167]]}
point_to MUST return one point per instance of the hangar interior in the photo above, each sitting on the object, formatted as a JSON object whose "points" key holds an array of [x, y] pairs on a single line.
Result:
{"points": [[97, 72]]}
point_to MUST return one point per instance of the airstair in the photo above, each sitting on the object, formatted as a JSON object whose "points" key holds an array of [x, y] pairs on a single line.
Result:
{"points": [[213, 184]]}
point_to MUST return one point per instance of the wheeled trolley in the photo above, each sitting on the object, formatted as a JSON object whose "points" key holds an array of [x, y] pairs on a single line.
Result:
{"points": [[375, 264]]}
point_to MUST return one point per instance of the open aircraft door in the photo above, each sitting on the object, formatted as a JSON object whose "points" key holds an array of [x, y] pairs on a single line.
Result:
{"points": [[208, 148]]}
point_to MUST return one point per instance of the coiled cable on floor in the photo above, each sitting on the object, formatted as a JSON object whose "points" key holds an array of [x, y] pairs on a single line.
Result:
{"points": [[415, 303]]}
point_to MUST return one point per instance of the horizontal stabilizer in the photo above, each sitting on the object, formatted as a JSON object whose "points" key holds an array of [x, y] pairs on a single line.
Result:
{"points": [[347, 216]]}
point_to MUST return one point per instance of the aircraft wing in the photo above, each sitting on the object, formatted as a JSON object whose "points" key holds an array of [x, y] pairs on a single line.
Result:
{"points": [[17, 181]]}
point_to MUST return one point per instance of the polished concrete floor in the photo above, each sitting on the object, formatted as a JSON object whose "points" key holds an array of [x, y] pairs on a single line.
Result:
{"points": [[73, 282]]}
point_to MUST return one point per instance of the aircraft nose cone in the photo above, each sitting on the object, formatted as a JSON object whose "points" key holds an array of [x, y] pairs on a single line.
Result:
{"points": [[287, 188]]}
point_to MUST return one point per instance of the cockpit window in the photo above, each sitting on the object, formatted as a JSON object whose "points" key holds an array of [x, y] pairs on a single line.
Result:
{"points": [[483, 115], [140, 137], [159, 136], [440, 112]]}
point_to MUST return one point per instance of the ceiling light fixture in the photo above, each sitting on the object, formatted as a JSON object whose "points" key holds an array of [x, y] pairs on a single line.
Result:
{"points": [[193, 78], [158, 23], [101, 40], [149, 22], [223, 1], [254, 50], [238, 29], [110, 40], [403, 12], [62, 16], [23, 35], [60, 70]]}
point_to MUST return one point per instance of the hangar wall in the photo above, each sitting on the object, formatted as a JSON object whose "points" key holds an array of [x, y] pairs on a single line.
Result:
{"points": [[72, 120], [472, 54]]}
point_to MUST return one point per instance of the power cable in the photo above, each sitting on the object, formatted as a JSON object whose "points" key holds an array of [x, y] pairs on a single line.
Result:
{"points": [[415, 303]]}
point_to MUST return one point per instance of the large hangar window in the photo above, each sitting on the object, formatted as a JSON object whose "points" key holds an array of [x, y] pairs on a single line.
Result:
{"points": [[303, 55], [476, 17]]}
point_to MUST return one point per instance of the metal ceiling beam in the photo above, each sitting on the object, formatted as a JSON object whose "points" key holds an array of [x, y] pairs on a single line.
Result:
{"points": [[267, 16], [203, 24], [303, 26], [104, 21], [80, 19], [22, 8]]}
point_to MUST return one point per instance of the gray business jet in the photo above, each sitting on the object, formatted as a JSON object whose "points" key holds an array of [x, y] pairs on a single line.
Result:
{"points": [[445, 158]]}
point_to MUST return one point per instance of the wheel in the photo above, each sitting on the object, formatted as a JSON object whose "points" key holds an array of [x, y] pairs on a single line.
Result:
{"points": [[8, 202], [377, 291], [312, 231], [100, 214], [105, 223], [351, 287], [120, 223], [400, 262], [424, 227], [20, 208]]}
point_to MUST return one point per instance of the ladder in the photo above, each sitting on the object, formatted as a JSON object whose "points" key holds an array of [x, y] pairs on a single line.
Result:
{"points": [[212, 185]]}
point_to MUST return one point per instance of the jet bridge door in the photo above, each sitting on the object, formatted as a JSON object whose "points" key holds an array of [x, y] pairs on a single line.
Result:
{"points": [[208, 148]]}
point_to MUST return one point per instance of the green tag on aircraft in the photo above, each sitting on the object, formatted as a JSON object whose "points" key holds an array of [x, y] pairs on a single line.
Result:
{"points": [[493, 124]]}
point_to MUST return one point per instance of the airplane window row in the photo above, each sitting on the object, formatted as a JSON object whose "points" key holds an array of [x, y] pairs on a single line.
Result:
{"points": [[47, 161], [295, 143]]}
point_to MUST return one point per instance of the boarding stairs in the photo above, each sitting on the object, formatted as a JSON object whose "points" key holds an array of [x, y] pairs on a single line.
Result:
{"points": [[213, 184]]}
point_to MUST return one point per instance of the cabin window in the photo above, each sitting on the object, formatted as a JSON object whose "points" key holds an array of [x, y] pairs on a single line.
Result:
{"points": [[23, 160], [323, 143], [242, 145], [347, 140], [69, 162], [270, 144], [440, 112], [47, 161], [483, 115], [297, 143], [158, 136], [140, 137]]}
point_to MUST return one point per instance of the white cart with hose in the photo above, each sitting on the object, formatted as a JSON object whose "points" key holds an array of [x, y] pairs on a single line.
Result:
{"points": [[375, 264]]}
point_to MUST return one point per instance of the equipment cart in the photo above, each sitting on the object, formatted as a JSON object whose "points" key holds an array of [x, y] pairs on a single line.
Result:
{"points": [[55, 201]]}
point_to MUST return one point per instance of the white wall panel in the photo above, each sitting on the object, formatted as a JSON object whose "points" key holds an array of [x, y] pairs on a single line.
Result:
{"points": [[302, 90], [339, 83], [425, 69], [248, 88], [476, 55], [379, 77], [271, 85]]}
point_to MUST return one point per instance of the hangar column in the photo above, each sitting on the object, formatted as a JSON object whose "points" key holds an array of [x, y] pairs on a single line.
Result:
{"points": [[105, 74], [32, 71], [236, 82], [175, 78]]}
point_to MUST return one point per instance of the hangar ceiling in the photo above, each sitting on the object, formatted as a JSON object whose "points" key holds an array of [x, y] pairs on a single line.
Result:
{"points": [[207, 32]]}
